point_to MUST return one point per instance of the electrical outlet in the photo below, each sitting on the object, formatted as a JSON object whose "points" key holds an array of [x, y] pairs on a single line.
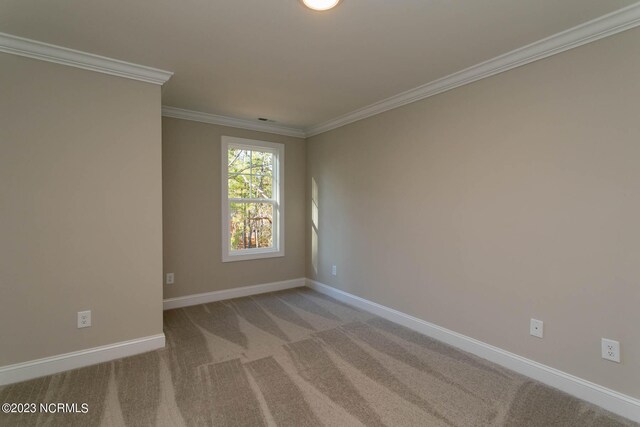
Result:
{"points": [[536, 328], [611, 350], [84, 319], [169, 279], [334, 270]]}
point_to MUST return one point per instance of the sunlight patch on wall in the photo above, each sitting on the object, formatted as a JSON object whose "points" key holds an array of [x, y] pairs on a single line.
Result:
{"points": [[314, 225]]}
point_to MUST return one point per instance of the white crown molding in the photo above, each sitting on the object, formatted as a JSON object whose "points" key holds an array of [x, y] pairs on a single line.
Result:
{"points": [[74, 58], [604, 26], [197, 116], [611, 400], [78, 359], [245, 291]]}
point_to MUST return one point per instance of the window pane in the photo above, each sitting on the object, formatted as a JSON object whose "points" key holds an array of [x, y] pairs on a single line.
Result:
{"points": [[262, 224], [239, 186], [262, 163], [237, 226], [262, 187], [250, 225], [239, 161]]}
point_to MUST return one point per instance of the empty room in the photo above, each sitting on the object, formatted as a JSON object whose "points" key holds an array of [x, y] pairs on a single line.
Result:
{"points": [[320, 213]]}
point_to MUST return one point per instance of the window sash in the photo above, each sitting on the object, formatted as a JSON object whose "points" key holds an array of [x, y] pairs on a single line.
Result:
{"points": [[246, 200]]}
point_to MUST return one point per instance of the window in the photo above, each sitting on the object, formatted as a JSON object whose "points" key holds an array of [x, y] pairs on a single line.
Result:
{"points": [[252, 199]]}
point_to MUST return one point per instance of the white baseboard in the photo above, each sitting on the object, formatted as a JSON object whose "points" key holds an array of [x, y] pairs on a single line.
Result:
{"points": [[225, 294], [611, 400], [51, 365]]}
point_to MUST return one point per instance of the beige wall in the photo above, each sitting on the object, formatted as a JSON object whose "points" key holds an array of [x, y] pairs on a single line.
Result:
{"points": [[514, 197], [192, 211], [80, 209]]}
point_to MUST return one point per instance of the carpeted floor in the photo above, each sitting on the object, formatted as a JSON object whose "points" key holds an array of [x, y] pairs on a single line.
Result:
{"points": [[298, 358]]}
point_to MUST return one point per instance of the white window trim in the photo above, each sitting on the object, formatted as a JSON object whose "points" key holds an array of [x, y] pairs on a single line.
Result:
{"points": [[278, 212]]}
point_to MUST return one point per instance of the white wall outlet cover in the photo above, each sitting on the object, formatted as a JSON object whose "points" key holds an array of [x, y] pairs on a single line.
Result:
{"points": [[611, 350], [169, 278], [334, 270], [536, 328], [84, 319]]}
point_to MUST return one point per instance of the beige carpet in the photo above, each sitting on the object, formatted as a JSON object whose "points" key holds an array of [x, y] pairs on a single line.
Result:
{"points": [[298, 358]]}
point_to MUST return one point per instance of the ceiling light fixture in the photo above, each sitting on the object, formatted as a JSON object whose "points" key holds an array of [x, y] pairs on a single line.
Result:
{"points": [[320, 4]]}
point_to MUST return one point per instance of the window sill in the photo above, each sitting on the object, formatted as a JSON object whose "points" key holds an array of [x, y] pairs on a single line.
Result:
{"points": [[252, 256]]}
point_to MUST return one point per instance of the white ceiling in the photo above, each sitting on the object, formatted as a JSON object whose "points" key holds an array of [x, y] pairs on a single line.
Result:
{"points": [[277, 59]]}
